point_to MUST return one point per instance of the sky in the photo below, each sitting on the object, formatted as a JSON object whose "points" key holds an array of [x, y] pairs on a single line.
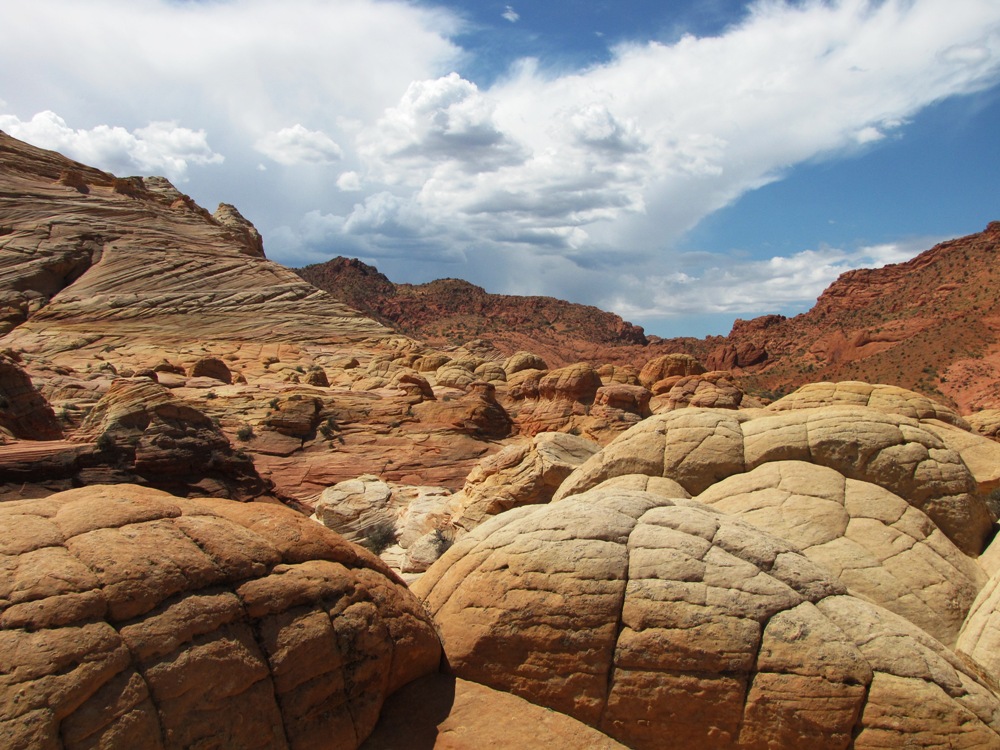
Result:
{"points": [[683, 163]]}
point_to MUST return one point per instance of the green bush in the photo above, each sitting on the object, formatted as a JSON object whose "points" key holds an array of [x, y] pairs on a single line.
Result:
{"points": [[245, 433]]}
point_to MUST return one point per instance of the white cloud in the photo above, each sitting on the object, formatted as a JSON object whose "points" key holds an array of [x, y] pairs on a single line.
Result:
{"points": [[752, 286], [511, 15], [349, 182], [571, 182], [298, 145], [159, 148]]}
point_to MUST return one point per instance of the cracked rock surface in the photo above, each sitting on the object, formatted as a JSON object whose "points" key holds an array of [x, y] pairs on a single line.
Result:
{"points": [[130, 618], [670, 624]]}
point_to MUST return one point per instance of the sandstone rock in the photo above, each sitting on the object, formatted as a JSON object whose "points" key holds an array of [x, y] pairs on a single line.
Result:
{"points": [[452, 376], [296, 415], [132, 619], [241, 230], [694, 447], [669, 624], [886, 398], [444, 713], [522, 360], [633, 399], [986, 422], [476, 413], [24, 412], [700, 447], [431, 362], [980, 454], [625, 374], [574, 383], [872, 541], [523, 384], [980, 635], [413, 383], [354, 508], [491, 372], [144, 431], [526, 473], [894, 452], [211, 367], [317, 376], [711, 390], [667, 365]]}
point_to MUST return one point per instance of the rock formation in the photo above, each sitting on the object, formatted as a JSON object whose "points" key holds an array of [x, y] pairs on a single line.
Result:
{"points": [[129, 618], [664, 622]]}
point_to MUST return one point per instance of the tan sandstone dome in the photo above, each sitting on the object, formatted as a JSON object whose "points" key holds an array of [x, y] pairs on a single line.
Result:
{"points": [[871, 540], [133, 619], [699, 447], [667, 624]]}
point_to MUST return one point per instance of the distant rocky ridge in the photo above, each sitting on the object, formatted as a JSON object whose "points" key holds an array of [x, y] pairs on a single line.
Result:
{"points": [[451, 311], [931, 324]]}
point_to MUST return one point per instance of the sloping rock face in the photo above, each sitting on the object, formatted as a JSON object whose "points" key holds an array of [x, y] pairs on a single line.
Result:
{"points": [[444, 713], [665, 623], [929, 324], [104, 278], [130, 618], [698, 448]]}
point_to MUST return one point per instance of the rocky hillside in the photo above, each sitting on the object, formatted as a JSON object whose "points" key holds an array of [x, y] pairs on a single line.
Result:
{"points": [[451, 312], [931, 324]]}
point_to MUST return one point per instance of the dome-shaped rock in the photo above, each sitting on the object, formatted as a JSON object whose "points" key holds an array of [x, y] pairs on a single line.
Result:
{"points": [[699, 447], [875, 543], [132, 619], [668, 624], [667, 365], [888, 398]]}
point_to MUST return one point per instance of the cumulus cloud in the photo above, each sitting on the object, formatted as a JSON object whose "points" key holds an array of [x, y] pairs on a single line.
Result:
{"points": [[511, 15], [549, 181], [298, 145], [159, 148]]}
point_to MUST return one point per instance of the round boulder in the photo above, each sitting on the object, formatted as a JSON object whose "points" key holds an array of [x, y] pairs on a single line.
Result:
{"points": [[130, 618], [668, 624]]}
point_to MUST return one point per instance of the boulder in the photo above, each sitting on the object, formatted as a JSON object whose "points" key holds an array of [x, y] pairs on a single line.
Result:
{"points": [[211, 367], [890, 399], [668, 365], [131, 618], [440, 712], [523, 361], [872, 541], [668, 624], [697, 448], [526, 473]]}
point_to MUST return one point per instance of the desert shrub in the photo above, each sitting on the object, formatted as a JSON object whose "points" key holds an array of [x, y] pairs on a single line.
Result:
{"points": [[442, 541], [245, 433], [380, 536]]}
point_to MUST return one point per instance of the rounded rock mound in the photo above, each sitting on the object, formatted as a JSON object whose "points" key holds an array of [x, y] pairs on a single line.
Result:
{"points": [[130, 618], [669, 624]]}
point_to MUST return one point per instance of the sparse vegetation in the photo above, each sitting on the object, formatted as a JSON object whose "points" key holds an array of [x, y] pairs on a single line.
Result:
{"points": [[380, 537], [245, 433]]}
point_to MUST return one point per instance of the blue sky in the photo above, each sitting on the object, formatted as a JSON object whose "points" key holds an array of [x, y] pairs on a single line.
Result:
{"points": [[681, 163]]}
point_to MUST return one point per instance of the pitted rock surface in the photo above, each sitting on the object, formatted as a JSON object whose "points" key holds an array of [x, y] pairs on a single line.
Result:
{"points": [[669, 624], [697, 448], [133, 619], [872, 541]]}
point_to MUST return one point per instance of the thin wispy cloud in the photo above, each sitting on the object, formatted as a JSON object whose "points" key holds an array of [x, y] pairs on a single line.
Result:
{"points": [[511, 15]]}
